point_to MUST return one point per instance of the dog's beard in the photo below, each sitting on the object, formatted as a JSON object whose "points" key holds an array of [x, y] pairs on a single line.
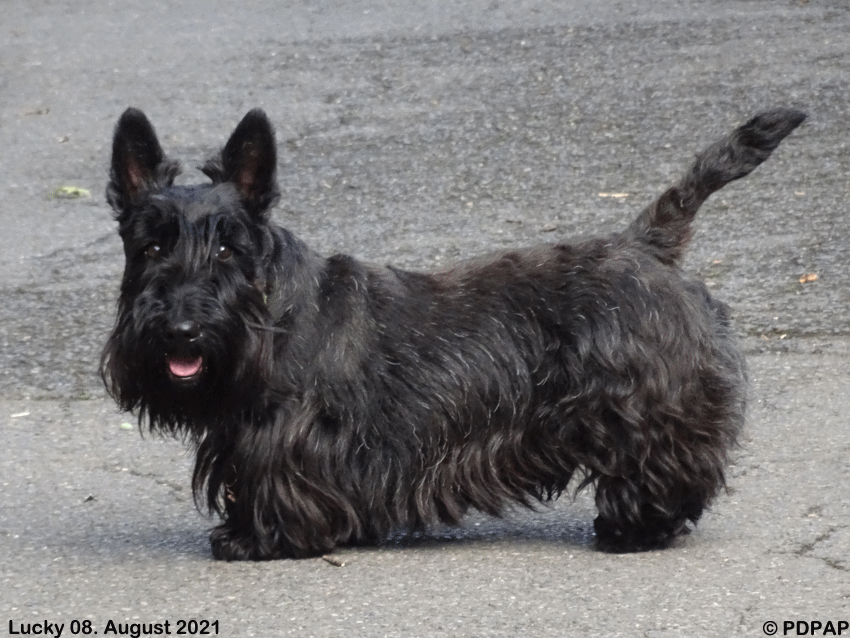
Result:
{"points": [[189, 390]]}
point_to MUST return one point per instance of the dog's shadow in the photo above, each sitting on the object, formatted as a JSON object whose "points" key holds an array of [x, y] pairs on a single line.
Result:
{"points": [[566, 523]]}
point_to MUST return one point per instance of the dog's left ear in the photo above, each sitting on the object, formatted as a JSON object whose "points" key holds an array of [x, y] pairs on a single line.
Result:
{"points": [[248, 161]]}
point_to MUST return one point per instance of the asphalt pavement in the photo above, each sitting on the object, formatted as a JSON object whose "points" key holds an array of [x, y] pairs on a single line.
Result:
{"points": [[417, 134]]}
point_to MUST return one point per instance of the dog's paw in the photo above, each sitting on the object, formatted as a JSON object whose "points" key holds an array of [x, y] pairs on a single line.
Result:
{"points": [[228, 544], [621, 539]]}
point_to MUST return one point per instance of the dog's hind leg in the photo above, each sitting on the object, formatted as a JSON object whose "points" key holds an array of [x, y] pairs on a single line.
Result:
{"points": [[637, 516]]}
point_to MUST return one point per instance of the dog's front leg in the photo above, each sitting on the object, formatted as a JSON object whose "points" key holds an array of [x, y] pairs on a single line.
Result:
{"points": [[281, 496]]}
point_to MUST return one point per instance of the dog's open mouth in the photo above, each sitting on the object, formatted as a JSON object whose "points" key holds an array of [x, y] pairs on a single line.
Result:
{"points": [[185, 368]]}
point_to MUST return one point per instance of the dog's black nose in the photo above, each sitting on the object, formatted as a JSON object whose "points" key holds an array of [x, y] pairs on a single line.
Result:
{"points": [[182, 333]]}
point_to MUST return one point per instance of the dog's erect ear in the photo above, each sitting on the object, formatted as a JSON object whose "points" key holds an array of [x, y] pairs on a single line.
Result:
{"points": [[248, 161], [138, 163]]}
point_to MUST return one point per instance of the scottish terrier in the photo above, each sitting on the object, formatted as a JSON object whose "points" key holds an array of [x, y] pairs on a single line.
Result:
{"points": [[333, 402]]}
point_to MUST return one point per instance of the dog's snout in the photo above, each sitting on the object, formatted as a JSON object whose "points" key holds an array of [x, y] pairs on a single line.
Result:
{"points": [[183, 332]]}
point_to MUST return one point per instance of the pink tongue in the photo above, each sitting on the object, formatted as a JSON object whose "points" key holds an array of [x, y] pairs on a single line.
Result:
{"points": [[185, 367]]}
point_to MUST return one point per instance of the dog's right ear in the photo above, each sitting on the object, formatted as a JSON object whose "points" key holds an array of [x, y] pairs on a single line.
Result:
{"points": [[138, 163]]}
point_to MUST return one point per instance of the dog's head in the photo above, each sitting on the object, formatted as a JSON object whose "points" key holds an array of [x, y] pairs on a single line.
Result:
{"points": [[191, 337]]}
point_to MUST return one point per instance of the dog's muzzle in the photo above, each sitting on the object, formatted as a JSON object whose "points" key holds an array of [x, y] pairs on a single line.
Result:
{"points": [[181, 359]]}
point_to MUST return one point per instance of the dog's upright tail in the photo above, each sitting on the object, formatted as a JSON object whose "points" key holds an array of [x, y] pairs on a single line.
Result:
{"points": [[666, 223]]}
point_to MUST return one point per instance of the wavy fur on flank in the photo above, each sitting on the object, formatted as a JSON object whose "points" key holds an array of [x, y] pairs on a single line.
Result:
{"points": [[332, 401]]}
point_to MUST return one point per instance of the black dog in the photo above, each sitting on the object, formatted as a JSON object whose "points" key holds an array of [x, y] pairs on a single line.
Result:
{"points": [[333, 402]]}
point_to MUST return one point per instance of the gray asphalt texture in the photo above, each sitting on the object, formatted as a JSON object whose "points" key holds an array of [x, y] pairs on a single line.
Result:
{"points": [[418, 135]]}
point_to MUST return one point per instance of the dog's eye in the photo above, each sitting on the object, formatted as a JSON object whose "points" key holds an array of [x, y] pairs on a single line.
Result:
{"points": [[225, 252], [153, 251]]}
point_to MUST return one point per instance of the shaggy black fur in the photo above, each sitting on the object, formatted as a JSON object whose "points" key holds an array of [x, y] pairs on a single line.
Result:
{"points": [[331, 401]]}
